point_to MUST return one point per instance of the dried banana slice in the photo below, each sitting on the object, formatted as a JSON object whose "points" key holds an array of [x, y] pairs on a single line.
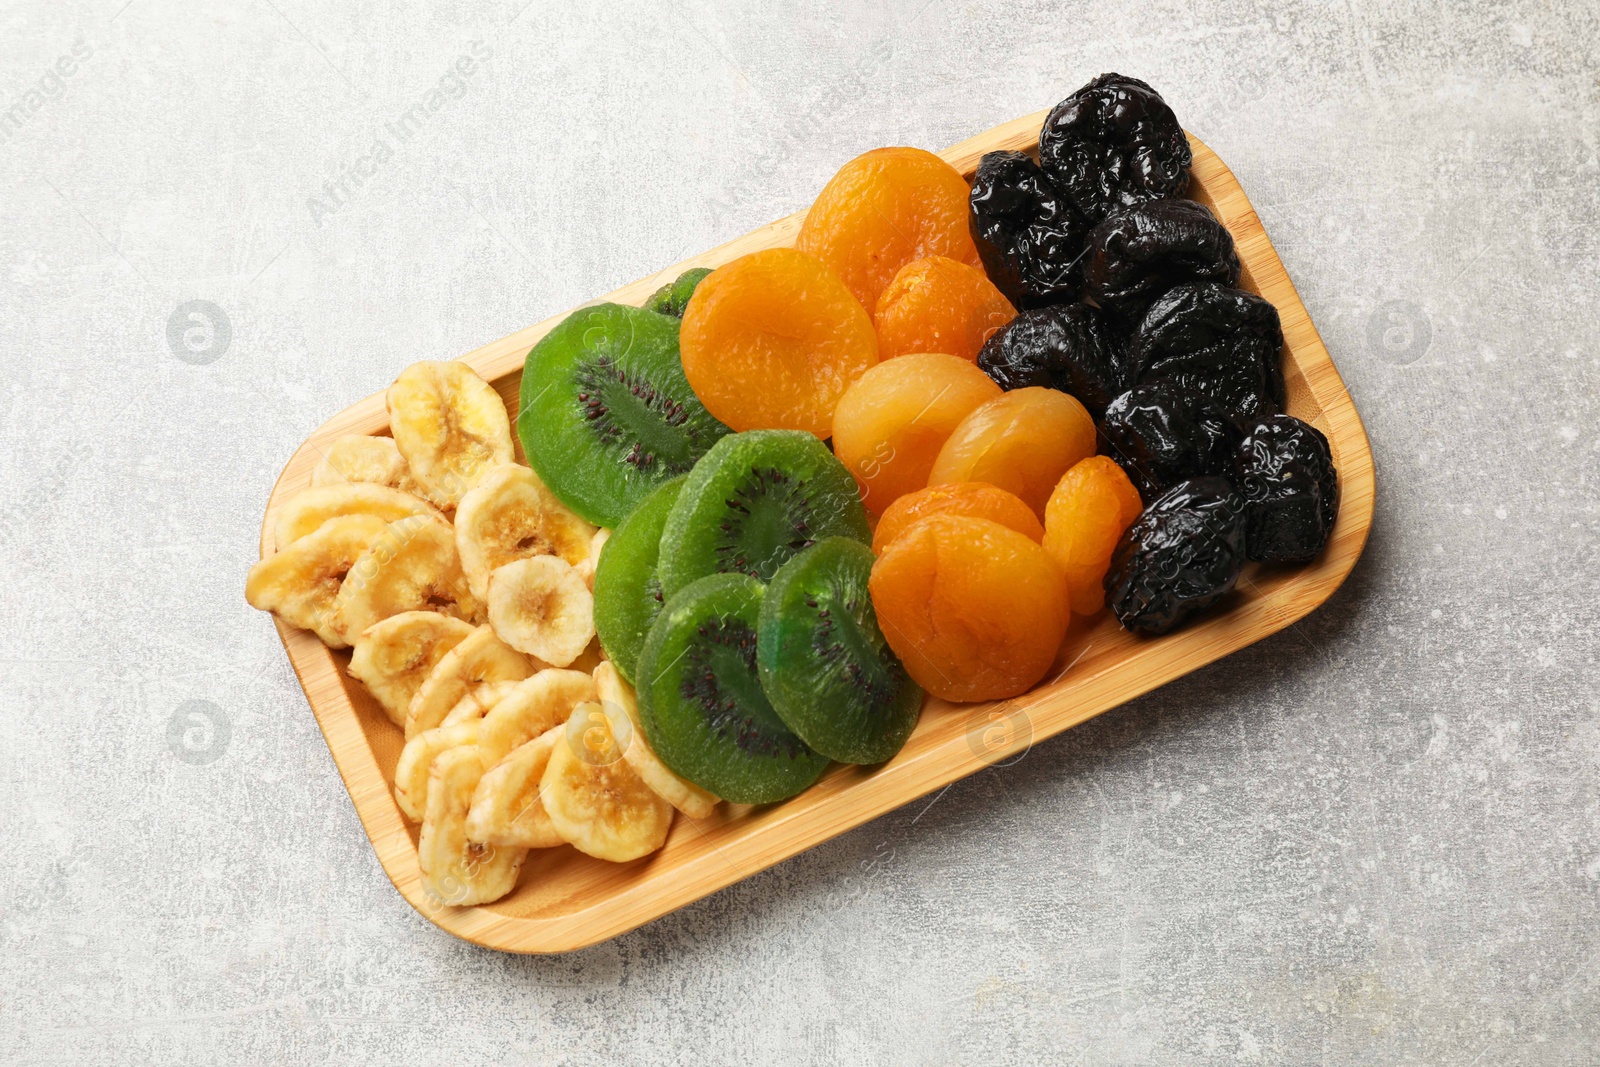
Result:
{"points": [[416, 759], [506, 809], [586, 568], [476, 704], [533, 706], [540, 606], [455, 869], [621, 707], [359, 458], [300, 584], [482, 657], [411, 567], [310, 508], [451, 427], [393, 658], [510, 515], [594, 798]]}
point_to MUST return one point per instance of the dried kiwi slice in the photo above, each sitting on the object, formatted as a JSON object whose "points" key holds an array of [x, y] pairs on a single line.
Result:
{"points": [[825, 665], [701, 703], [673, 297], [607, 414], [627, 593], [756, 499]]}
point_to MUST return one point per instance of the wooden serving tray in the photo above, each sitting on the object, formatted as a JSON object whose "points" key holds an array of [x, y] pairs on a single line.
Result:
{"points": [[567, 900]]}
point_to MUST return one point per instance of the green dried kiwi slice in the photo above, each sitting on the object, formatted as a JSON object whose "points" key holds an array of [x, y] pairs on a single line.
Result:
{"points": [[673, 297], [606, 413], [627, 592], [753, 502], [701, 704], [825, 665]]}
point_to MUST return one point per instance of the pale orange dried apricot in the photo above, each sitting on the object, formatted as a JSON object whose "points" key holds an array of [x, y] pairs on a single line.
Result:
{"points": [[1023, 441], [978, 499], [939, 305], [1091, 506], [892, 422], [772, 340], [975, 610], [884, 209]]}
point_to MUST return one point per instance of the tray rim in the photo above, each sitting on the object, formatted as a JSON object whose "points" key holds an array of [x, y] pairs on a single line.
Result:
{"points": [[1201, 644]]}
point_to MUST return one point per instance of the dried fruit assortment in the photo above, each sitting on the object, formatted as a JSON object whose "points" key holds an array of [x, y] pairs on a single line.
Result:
{"points": [[841, 476]]}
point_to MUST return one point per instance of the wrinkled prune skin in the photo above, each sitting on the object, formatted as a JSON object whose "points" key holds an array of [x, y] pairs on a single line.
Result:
{"points": [[1284, 471], [1181, 555], [1223, 342], [1028, 234], [1140, 252], [1070, 347], [1162, 435], [1114, 143]]}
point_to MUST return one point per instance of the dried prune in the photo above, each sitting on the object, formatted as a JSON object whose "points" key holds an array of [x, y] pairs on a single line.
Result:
{"points": [[1162, 435], [1142, 251], [1284, 471], [1028, 234], [1181, 555], [1070, 347], [1113, 143], [1223, 342]]}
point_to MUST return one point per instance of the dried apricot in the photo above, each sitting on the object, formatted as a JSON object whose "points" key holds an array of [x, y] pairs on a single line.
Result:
{"points": [[975, 610], [892, 422], [939, 305], [772, 340], [884, 209], [1091, 506], [978, 499], [1023, 441]]}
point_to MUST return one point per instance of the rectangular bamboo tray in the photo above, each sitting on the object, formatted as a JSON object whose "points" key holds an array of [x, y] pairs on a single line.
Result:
{"points": [[566, 900]]}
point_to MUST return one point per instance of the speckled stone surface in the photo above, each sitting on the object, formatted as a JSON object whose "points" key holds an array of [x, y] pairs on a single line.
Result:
{"points": [[1372, 839]]}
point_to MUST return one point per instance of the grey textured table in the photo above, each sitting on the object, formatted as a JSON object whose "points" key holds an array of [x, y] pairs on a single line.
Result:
{"points": [[1374, 838]]}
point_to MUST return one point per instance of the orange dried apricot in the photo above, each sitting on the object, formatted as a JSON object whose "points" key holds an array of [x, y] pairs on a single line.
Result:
{"points": [[975, 610], [892, 422], [1023, 441], [1091, 506], [978, 499], [939, 305], [884, 209], [772, 340]]}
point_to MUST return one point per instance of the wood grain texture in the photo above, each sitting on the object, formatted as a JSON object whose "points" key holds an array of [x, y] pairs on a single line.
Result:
{"points": [[566, 900]]}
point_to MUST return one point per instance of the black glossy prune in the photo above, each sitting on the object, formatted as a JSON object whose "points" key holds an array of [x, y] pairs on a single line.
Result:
{"points": [[1284, 471], [1069, 347], [1223, 342], [1142, 251], [1162, 435], [1113, 143], [1181, 555], [1028, 234]]}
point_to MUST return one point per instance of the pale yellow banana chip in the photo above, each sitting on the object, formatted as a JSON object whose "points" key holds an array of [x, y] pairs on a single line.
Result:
{"points": [[394, 657], [411, 567], [533, 706], [300, 583], [621, 707], [476, 704], [510, 515], [540, 606], [310, 508], [506, 809], [586, 568], [482, 657], [451, 427], [593, 797], [359, 458], [416, 759], [455, 869]]}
